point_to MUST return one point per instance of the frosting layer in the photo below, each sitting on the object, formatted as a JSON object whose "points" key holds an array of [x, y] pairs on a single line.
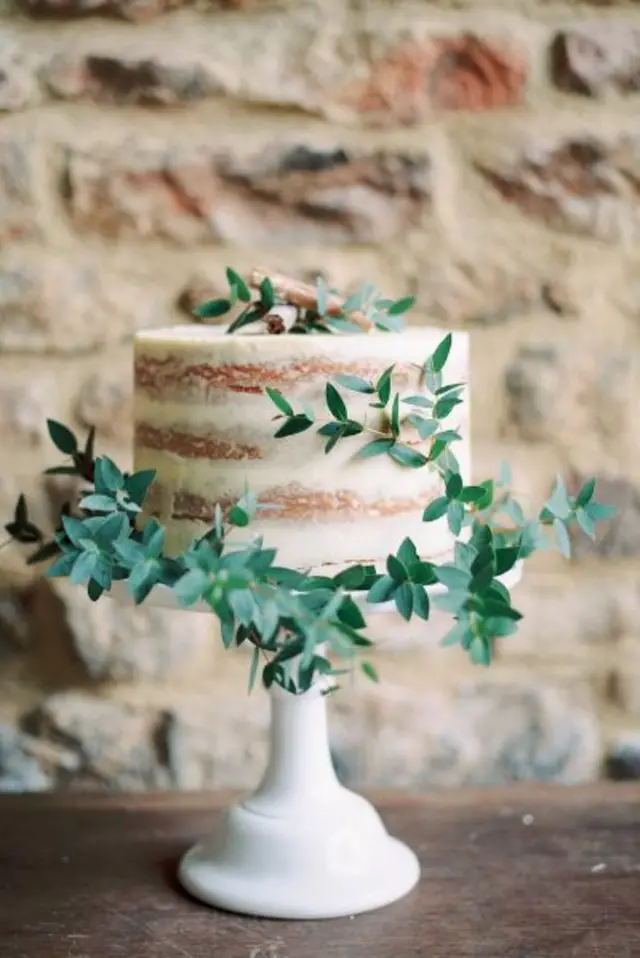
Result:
{"points": [[205, 424]]}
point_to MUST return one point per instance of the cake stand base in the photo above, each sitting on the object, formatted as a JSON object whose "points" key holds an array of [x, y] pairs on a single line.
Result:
{"points": [[303, 845], [342, 863]]}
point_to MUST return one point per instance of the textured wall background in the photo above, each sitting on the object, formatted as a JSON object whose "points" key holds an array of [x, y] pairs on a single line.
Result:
{"points": [[485, 157]]}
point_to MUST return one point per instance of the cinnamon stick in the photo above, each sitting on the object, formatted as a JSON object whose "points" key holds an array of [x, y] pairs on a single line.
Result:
{"points": [[304, 295]]}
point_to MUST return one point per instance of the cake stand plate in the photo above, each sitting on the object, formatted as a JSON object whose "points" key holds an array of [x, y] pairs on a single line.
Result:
{"points": [[302, 845]]}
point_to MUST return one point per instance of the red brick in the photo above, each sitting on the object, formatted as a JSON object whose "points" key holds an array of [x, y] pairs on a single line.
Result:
{"points": [[164, 80], [582, 185], [290, 195], [444, 73], [597, 56]]}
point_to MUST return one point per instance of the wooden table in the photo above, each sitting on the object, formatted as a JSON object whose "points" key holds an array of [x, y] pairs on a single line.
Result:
{"points": [[527, 872]]}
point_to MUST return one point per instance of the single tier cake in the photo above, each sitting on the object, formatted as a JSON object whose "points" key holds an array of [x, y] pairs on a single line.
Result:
{"points": [[204, 423]]}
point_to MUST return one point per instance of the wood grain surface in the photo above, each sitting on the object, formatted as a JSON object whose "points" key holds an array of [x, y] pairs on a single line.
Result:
{"points": [[524, 872]]}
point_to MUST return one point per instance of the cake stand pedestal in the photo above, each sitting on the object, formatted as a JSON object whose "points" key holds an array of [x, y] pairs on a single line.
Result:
{"points": [[302, 845]]}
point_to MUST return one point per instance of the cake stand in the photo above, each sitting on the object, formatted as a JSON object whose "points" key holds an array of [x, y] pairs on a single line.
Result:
{"points": [[302, 845]]}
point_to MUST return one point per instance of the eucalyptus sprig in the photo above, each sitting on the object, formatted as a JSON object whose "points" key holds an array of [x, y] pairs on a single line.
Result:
{"points": [[300, 626], [429, 409], [320, 312]]}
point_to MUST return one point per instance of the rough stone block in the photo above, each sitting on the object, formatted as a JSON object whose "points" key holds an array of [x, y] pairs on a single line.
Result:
{"points": [[419, 78], [582, 185], [285, 195]]}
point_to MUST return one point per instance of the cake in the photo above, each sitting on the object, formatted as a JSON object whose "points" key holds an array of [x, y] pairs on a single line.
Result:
{"points": [[204, 423]]}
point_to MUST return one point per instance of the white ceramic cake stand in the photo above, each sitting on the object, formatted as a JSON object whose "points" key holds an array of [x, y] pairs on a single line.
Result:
{"points": [[302, 845]]}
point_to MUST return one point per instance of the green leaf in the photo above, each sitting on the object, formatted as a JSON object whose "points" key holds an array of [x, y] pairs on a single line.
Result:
{"points": [[142, 579], [441, 354], [355, 383], [238, 517], [404, 600], [421, 401], [108, 477], [396, 569], [279, 401], [420, 601], [253, 671], [351, 578], [472, 494], [423, 573], [62, 565], [375, 448], [491, 607], [129, 552], [445, 406], [293, 426], [452, 577], [487, 499], [435, 510], [190, 587], [212, 308], [395, 415], [562, 538], [383, 385], [586, 493], [382, 590], [267, 294], [496, 626], [370, 671], [407, 456], [243, 604], [349, 613], [153, 538], [334, 439], [110, 529], [454, 486], [437, 448], [94, 590], [455, 517], [449, 435], [356, 301], [585, 523], [505, 559], [407, 553], [98, 503], [597, 511], [480, 651], [289, 578], [245, 318], [62, 438], [401, 306], [83, 567], [456, 635], [425, 427], [558, 502], [74, 528], [137, 485], [335, 403], [236, 282]]}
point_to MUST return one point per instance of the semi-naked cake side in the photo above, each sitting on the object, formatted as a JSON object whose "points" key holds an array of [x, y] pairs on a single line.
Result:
{"points": [[204, 423]]}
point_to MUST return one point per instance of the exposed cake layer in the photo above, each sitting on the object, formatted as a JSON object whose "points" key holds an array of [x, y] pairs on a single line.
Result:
{"points": [[205, 425]]}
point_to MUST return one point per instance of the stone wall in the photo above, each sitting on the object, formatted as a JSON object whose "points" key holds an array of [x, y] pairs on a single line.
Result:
{"points": [[485, 157]]}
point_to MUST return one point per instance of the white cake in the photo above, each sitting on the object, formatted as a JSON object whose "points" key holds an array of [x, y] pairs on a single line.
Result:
{"points": [[204, 423]]}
